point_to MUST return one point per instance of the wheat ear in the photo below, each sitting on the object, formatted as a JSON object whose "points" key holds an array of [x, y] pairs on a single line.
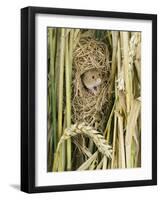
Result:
{"points": [[89, 132]]}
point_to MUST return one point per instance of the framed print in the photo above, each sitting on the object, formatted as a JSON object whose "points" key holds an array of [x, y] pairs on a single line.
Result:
{"points": [[88, 99]]}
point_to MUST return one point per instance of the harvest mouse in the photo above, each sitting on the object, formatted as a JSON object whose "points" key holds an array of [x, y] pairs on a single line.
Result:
{"points": [[91, 80]]}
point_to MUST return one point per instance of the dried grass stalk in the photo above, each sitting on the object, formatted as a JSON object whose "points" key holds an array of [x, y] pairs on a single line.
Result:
{"points": [[131, 124], [88, 162]]}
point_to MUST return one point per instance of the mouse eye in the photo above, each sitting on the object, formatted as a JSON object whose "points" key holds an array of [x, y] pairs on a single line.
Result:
{"points": [[93, 77]]}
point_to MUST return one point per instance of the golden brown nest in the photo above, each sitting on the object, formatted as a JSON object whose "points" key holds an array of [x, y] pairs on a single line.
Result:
{"points": [[87, 107]]}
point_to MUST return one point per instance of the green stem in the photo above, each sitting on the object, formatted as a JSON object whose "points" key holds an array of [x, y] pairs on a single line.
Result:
{"points": [[60, 95], [52, 39]]}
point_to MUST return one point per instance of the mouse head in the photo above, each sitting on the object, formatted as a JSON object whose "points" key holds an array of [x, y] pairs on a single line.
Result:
{"points": [[94, 75], [92, 78]]}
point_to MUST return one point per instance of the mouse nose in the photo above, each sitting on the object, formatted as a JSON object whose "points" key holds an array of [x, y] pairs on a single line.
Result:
{"points": [[98, 80]]}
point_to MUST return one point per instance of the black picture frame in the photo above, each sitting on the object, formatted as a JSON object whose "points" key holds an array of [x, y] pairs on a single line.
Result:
{"points": [[28, 92]]}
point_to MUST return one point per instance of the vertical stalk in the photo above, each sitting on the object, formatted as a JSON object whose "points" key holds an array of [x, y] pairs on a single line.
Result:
{"points": [[127, 73], [115, 35], [52, 40], [104, 162], [131, 124], [61, 82], [121, 142], [114, 142], [71, 40], [118, 58], [60, 95], [68, 71]]}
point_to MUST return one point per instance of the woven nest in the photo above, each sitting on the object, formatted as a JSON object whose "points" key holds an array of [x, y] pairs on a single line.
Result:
{"points": [[87, 107]]}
